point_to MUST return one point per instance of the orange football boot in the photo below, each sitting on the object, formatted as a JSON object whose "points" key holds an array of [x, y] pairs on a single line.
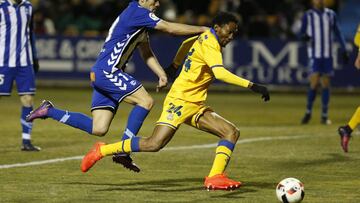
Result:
{"points": [[220, 182], [91, 157]]}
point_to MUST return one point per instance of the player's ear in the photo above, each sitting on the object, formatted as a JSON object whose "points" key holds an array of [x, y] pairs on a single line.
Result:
{"points": [[217, 28]]}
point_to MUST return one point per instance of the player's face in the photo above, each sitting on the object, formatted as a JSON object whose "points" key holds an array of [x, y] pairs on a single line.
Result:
{"points": [[152, 5], [226, 33]]}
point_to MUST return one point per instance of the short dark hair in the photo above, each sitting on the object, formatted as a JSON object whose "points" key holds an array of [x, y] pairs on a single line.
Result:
{"points": [[223, 18]]}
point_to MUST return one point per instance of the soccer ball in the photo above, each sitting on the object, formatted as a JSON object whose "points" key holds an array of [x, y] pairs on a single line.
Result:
{"points": [[290, 190]]}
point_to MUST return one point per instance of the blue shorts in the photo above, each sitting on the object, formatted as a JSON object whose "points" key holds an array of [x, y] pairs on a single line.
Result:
{"points": [[24, 77], [322, 66], [109, 89]]}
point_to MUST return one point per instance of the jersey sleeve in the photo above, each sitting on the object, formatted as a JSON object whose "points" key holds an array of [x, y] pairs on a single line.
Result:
{"points": [[212, 53], [145, 18]]}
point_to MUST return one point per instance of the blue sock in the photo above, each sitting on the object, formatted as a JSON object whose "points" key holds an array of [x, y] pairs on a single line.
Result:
{"points": [[76, 120], [325, 98], [135, 121], [310, 100], [135, 144], [26, 126]]}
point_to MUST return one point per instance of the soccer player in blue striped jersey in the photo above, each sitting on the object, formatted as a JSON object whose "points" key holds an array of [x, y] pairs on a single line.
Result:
{"points": [[110, 82], [318, 26], [18, 61]]}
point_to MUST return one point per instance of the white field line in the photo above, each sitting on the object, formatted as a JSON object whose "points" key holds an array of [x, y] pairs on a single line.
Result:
{"points": [[249, 140]]}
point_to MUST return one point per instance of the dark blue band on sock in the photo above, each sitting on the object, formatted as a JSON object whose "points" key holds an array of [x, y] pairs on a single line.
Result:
{"points": [[135, 144], [135, 121], [310, 99], [76, 120], [227, 144]]}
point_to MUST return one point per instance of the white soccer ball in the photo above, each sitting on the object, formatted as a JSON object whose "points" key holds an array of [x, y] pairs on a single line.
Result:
{"points": [[290, 190]]}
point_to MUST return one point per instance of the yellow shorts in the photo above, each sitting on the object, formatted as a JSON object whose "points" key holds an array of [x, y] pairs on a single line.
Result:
{"points": [[177, 111]]}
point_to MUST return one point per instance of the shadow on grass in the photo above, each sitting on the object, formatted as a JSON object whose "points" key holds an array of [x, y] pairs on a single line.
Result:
{"points": [[176, 185]]}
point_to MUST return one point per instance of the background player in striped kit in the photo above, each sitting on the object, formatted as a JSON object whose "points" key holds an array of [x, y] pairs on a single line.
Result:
{"points": [[318, 25], [18, 61], [111, 84]]}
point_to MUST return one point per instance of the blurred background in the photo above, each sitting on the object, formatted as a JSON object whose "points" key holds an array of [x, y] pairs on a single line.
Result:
{"points": [[70, 34]]}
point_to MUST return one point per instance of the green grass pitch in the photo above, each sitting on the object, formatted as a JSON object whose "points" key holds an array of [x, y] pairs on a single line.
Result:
{"points": [[273, 145]]}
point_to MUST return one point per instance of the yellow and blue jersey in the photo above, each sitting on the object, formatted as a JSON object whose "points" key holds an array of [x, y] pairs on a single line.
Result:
{"points": [[196, 74]]}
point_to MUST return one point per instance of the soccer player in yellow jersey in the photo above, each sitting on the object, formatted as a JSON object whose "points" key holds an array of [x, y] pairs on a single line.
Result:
{"points": [[345, 131], [185, 103]]}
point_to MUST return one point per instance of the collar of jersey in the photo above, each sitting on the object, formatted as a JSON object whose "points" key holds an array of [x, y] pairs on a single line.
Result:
{"points": [[214, 33]]}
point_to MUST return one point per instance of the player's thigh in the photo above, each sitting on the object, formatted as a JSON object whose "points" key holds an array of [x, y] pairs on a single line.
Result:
{"points": [[314, 79], [217, 125], [7, 77], [325, 81], [25, 80], [101, 121], [140, 97]]}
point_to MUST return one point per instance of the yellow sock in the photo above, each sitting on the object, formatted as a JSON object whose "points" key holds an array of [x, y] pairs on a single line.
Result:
{"points": [[222, 158], [355, 119], [110, 149]]}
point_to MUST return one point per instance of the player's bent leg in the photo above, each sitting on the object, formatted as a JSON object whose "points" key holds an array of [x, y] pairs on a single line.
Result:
{"points": [[143, 103], [101, 121], [73, 119], [160, 137], [229, 134]]}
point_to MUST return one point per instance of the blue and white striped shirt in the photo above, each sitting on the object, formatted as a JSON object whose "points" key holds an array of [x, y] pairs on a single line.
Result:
{"points": [[16, 47], [320, 26]]}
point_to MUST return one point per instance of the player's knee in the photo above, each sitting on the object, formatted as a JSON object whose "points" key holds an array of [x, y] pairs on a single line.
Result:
{"points": [[147, 103], [232, 133], [100, 131], [27, 100]]}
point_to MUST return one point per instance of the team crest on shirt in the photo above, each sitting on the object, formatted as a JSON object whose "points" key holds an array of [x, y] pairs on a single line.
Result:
{"points": [[153, 16]]}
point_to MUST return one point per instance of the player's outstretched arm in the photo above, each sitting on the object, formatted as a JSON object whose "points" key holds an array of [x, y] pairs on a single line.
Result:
{"points": [[179, 29], [222, 74], [151, 61]]}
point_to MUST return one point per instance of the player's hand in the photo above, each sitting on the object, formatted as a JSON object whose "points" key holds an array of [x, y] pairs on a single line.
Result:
{"points": [[36, 65], [345, 57], [162, 83], [305, 38], [171, 72], [261, 90]]}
